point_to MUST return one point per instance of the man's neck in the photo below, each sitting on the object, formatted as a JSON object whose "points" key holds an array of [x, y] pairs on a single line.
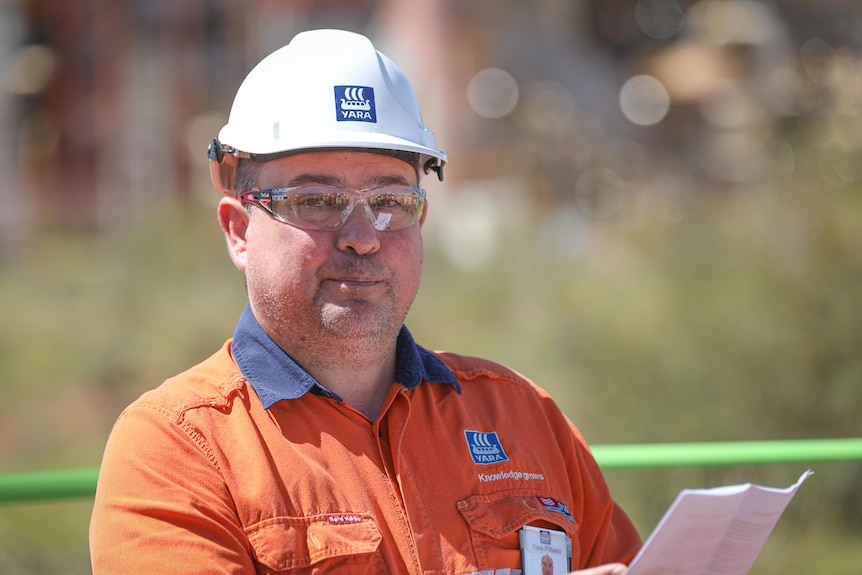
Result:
{"points": [[360, 374], [363, 388], [359, 368]]}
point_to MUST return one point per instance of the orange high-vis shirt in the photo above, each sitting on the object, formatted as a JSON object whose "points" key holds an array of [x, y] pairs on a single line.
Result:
{"points": [[244, 464]]}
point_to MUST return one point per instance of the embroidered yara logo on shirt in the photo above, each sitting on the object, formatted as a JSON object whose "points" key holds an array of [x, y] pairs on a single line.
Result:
{"points": [[355, 103], [485, 448]]}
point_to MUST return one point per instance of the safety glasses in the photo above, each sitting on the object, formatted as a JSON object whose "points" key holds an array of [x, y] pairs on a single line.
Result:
{"points": [[327, 208]]}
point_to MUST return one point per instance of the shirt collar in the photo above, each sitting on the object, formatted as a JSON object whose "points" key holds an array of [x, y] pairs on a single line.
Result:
{"points": [[274, 375]]}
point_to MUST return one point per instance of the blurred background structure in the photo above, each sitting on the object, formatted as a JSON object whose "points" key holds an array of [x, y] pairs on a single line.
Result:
{"points": [[653, 209]]}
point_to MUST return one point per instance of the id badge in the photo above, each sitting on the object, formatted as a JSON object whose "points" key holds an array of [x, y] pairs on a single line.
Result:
{"points": [[545, 551]]}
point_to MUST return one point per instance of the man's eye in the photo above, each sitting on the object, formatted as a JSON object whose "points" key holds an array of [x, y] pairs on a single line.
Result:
{"points": [[319, 201], [385, 201], [392, 201]]}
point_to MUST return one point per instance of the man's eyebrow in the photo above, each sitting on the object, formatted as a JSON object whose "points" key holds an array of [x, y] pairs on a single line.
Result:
{"points": [[393, 180], [319, 179], [329, 180]]}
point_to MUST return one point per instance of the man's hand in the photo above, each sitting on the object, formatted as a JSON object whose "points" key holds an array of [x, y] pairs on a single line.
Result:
{"points": [[609, 569]]}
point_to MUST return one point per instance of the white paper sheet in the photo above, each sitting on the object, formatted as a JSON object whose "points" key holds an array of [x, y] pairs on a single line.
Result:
{"points": [[717, 531]]}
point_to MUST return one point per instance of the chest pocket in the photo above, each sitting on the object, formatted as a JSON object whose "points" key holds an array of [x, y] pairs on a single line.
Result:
{"points": [[495, 519], [345, 543]]}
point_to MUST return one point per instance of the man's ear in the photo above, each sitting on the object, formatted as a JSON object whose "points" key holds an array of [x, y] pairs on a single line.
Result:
{"points": [[234, 220]]}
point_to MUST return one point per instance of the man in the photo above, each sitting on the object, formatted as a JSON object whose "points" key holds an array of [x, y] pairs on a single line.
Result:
{"points": [[321, 438]]}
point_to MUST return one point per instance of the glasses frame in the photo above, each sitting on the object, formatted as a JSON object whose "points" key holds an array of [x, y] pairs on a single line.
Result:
{"points": [[263, 198]]}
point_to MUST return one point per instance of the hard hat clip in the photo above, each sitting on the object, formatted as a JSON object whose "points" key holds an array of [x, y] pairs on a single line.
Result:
{"points": [[216, 151], [435, 165]]}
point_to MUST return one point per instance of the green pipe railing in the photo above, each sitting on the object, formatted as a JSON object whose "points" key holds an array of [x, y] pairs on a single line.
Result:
{"points": [[71, 483], [642, 456], [48, 485]]}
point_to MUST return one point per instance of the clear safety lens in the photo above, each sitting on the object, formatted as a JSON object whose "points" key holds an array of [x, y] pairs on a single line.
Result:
{"points": [[328, 207]]}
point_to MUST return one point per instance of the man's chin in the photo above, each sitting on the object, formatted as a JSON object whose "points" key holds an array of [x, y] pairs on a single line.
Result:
{"points": [[356, 318]]}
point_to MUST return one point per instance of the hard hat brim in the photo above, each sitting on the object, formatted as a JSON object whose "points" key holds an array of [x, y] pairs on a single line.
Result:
{"points": [[323, 140]]}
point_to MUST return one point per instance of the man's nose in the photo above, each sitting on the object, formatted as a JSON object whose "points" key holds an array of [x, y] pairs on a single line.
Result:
{"points": [[359, 234]]}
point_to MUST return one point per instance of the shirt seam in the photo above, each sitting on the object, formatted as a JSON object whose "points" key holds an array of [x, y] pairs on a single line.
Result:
{"points": [[176, 416]]}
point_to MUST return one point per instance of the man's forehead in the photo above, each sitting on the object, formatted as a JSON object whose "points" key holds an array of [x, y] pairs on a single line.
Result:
{"points": [[338, 167]]}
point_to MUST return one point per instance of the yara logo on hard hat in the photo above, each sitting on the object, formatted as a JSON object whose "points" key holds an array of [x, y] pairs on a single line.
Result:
{"points": [[355, 104]]}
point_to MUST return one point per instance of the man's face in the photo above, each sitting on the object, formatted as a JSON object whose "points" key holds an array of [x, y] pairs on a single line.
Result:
{"points": [[351, 286], [547, 565]]}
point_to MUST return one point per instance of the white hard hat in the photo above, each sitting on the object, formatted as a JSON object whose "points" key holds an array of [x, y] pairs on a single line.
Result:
{"points": [[326, 89]]}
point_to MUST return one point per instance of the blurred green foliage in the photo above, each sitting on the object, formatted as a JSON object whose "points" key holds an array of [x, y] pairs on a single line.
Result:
{"points": [[739, 321]]}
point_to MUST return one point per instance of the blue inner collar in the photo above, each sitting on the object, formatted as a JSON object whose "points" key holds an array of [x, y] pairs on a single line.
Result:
{"points": [[275, 376]]}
